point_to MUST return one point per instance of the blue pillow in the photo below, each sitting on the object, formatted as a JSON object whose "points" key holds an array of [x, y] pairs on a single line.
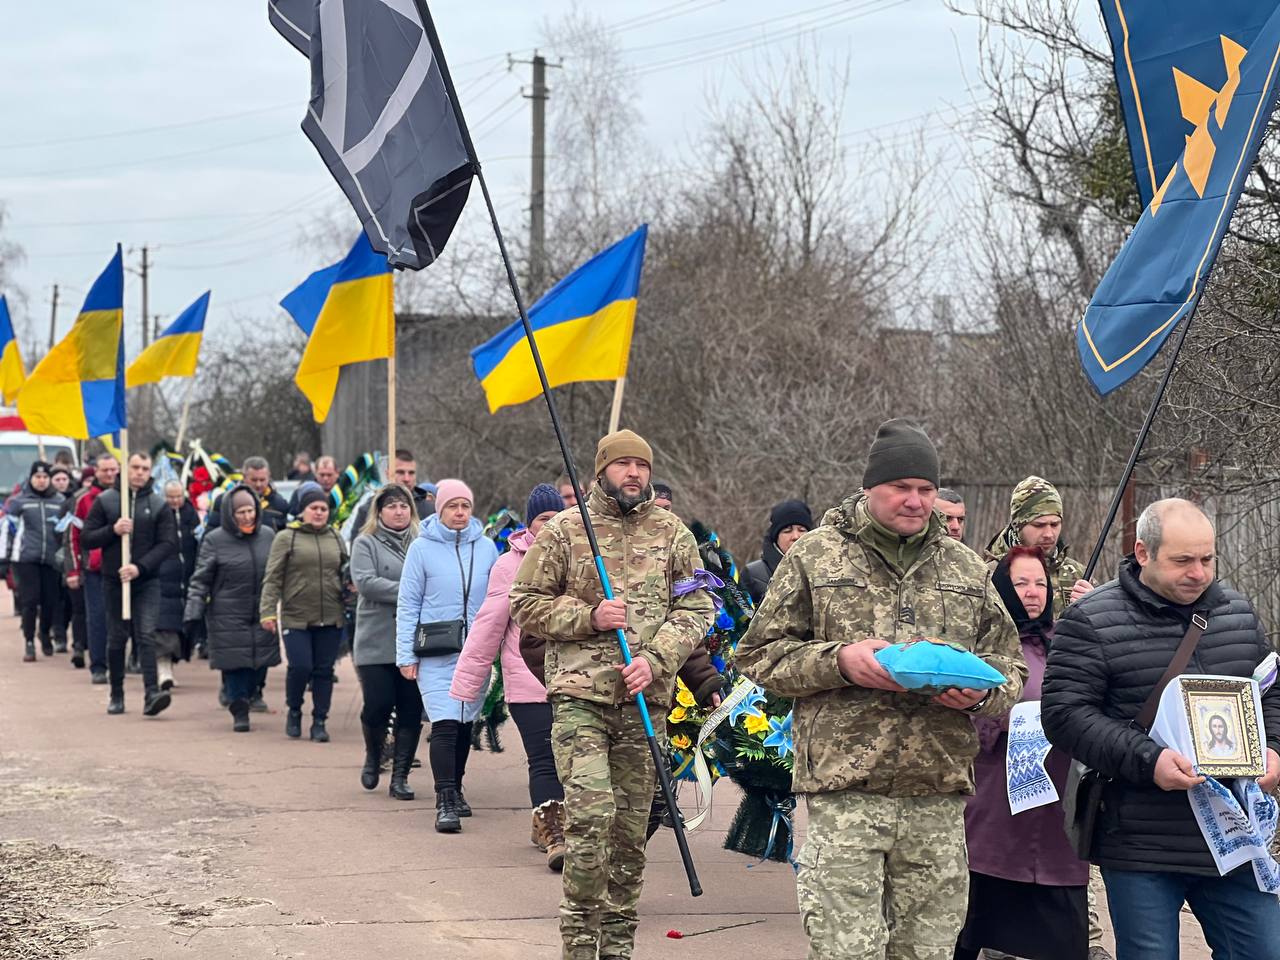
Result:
{"points": [[922, 664]]}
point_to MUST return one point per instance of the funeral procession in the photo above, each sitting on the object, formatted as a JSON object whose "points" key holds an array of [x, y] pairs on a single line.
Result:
{"points": [[640, 480]]}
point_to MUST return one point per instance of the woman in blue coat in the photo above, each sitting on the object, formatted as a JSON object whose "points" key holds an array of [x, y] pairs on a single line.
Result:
{"points": [[445, 577]]}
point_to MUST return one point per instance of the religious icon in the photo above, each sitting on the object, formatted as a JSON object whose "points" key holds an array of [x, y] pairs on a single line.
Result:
{"points": [[1225, 727]]}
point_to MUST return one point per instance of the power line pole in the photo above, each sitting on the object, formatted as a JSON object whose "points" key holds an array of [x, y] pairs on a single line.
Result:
{"points": [[53, 318], [537, 174], [146, 320], [537, 177]]}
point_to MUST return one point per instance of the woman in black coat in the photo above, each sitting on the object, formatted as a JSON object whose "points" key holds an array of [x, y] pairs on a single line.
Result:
{"points": [[225, 591]]}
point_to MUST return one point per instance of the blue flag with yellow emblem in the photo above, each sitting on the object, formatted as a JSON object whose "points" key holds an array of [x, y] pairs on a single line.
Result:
{"points": [[1197, 85]]}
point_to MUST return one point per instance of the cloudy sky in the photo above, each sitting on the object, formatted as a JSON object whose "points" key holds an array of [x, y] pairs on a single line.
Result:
{"points": [[174, 123]]}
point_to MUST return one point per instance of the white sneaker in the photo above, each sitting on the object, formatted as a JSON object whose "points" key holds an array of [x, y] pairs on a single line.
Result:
{"points": [[164, 672]]}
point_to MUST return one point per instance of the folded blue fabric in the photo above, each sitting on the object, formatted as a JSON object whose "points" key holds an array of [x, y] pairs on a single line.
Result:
{"points": [[921, 664]]}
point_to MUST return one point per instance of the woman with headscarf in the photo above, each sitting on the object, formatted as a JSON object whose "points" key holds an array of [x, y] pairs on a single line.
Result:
{"points": [[305, 576], [377, 559], [495, 635], [174, 574], [1028, 891], [446, 574], [788, 522], [225, 591]]}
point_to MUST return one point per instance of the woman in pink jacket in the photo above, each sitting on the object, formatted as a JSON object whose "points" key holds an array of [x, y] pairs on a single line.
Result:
{"points": [[494, 633]]}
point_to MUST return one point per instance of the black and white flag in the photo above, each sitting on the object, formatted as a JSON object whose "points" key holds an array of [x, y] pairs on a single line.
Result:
{"points": [[381, 119]]}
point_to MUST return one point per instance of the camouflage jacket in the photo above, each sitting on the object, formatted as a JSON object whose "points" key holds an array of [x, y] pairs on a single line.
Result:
{"points": [[556, 588], [832, 589], [1064, 571]]}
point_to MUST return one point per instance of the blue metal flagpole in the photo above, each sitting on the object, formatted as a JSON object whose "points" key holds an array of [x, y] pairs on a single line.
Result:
{"points": [[659, 761]]}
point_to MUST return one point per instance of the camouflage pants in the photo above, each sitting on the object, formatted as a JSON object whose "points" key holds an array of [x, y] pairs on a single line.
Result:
{"points": [[882, 877], [603, 760]]}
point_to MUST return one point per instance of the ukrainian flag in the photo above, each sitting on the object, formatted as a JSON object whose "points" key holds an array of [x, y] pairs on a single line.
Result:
{"points": [[175, 351], [348, 313], [582, 326], [77, 390], [12, 373]]}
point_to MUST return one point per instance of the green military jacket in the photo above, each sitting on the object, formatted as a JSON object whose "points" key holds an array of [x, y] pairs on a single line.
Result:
{"points": [[832, 589], [645, 553], [1064, 571]]}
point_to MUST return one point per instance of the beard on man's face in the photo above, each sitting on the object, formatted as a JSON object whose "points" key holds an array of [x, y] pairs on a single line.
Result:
{"points": [[626, 502]]}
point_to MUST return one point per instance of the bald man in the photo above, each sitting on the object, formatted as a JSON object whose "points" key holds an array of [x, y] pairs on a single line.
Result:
{"points": [[1109, 651]]}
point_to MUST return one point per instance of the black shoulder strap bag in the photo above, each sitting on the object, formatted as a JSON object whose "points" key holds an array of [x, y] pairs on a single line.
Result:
{"points": [[1083, 796], [441, 638]]}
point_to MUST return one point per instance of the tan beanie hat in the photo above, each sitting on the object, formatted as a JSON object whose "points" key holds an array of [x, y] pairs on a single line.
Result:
{"points": [[624, 443]]}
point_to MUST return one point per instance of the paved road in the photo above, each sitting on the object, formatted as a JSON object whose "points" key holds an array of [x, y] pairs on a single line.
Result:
{"points": [[253, 845], [129, 838]]}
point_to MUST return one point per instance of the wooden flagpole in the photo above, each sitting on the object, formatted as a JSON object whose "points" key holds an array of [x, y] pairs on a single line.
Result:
{"points": [[615, 415], [126, 589], [391, 400], [186, 410]]}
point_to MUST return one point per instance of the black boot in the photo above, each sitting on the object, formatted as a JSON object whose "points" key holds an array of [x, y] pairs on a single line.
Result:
{"points": [[77, 659], [318, 733], [116, 703], [372, 756], [239, 716], [447, 811], [293, 724], [464, 808], [406, 747], [29, 652], [46, 646], [156, 702]]}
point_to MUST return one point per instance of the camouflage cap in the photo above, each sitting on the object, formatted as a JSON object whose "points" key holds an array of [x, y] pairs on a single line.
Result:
{"points": [[1032, 499]]}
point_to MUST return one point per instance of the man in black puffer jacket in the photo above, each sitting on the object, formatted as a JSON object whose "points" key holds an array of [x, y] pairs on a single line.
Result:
{"points": [[153, 539], [1109, 651]]}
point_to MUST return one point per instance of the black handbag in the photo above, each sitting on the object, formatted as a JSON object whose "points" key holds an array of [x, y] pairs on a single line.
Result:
{"points": [[441, 638], [1082, 798]]}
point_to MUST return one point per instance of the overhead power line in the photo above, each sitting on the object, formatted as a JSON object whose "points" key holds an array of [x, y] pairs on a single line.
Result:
{"points": [[140, 131]]}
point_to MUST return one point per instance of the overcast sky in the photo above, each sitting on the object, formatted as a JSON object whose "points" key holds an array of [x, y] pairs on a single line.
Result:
{"points": [[174, 123]]}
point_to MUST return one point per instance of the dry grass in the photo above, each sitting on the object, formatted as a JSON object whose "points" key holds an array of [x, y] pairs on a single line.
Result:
{"points": [[38, 884]]}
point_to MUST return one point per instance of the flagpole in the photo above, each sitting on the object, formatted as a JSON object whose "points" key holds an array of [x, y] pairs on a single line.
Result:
{"points": [[659, 762], [186, 409], [615, 415], [391, 400], [126, 588], [1118, 496]]}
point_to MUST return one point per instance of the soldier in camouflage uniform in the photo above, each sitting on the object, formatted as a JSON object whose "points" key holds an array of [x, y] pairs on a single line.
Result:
{"points": [[601, 751], [883, 871], [1035, 520]]}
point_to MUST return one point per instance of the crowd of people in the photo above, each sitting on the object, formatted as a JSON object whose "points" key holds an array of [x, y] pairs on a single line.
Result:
{"points": [[912, 847]]}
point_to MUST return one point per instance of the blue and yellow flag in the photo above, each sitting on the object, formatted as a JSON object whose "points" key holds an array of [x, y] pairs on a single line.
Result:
{"points": [[1217, 97], [77, 390], [348, 313], [12, 373], [175, 351], [582, 327]]}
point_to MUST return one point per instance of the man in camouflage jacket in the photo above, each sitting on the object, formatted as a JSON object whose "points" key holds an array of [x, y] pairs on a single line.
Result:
{"points": [[598, 738], [883, 872], [1035, 520]]}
